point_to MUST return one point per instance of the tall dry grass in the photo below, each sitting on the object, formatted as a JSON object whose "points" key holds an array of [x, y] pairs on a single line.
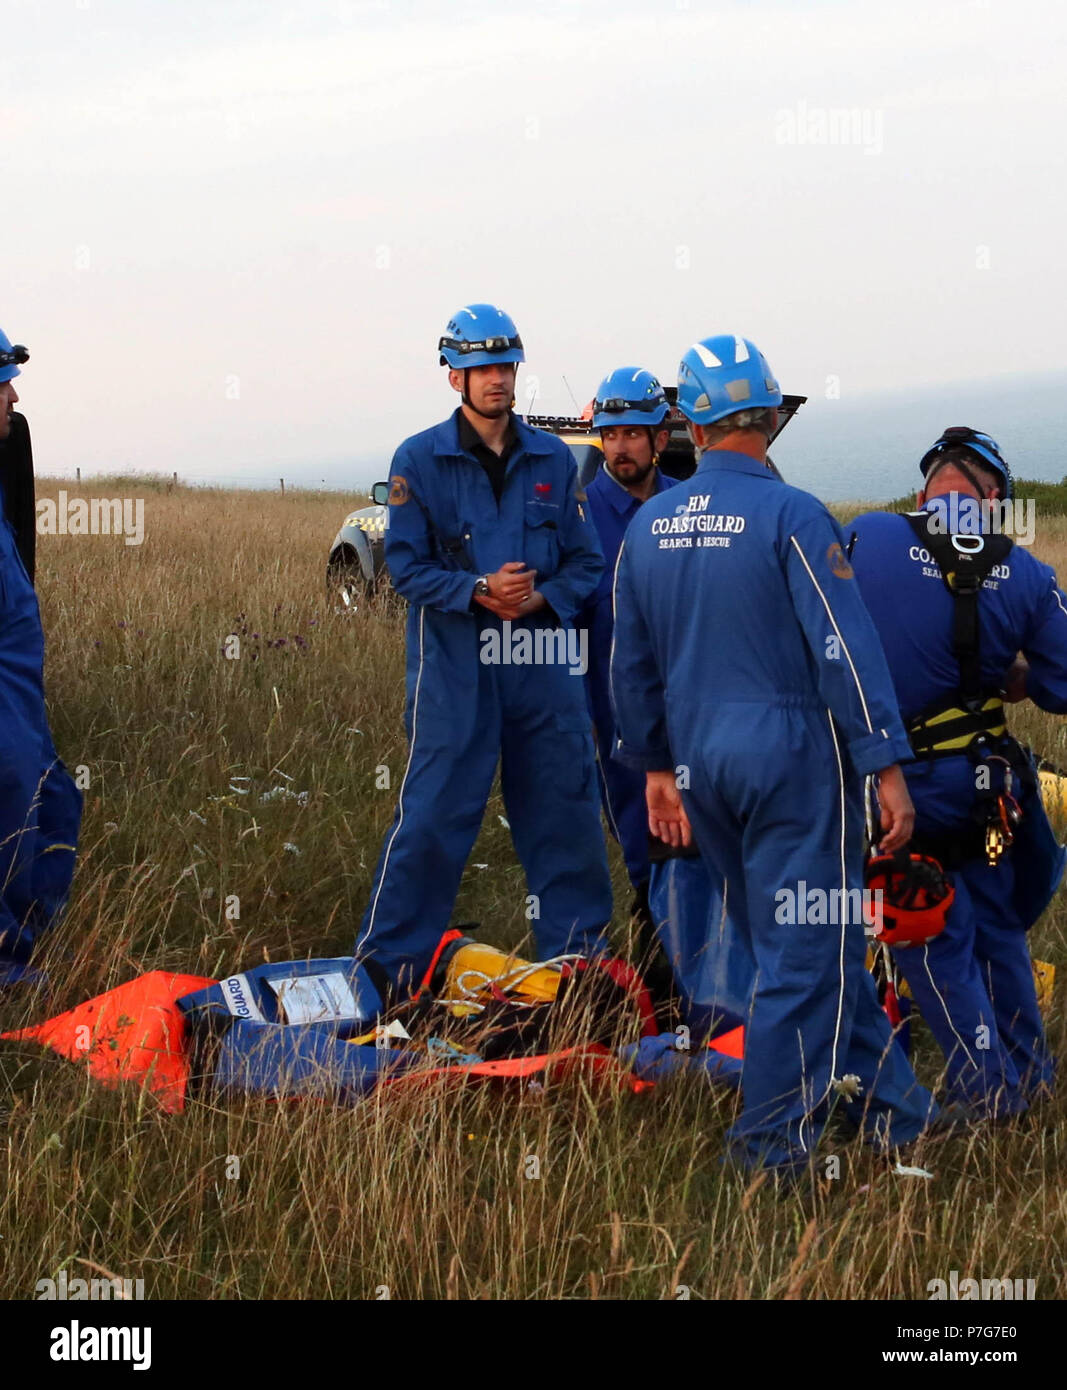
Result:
{"points": [[424, 1194]]}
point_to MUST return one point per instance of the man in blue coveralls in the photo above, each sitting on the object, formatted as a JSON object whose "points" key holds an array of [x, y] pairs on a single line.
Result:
{"points": [[952, 652], [677, 901], [749, 685], [629, 410], [40, 807], [488, 540]]}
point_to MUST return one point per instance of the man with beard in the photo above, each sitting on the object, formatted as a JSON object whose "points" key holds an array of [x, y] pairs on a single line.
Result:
{"points": [[630, 411], [689, 957], [40, 807], [488, 541]]}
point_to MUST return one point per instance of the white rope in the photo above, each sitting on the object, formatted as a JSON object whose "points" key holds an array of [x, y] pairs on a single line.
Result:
{"points": [[469, 982]]}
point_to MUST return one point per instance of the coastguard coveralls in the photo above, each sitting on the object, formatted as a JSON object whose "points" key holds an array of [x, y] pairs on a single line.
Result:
{"points": [[40, 806], [711, 971], [711, 962], [479, 690], [973, 983], [745, 660], [622, 790]]}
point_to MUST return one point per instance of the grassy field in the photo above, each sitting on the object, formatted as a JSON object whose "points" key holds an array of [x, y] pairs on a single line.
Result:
{"points": [[424, 1196]]}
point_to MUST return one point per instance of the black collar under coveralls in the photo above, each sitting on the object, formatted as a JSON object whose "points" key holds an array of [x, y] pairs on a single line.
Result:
{"points": [[495, 465]]}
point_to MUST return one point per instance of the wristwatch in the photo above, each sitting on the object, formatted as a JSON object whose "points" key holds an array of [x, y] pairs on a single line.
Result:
{"points": [[481, 587]]}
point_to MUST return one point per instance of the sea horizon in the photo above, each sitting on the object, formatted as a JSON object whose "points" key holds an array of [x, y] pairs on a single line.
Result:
{"points": [[853, 448]]}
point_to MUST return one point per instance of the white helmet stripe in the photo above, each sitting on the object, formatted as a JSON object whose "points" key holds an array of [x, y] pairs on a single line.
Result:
{"points": [[741, 350], [706, 355]]}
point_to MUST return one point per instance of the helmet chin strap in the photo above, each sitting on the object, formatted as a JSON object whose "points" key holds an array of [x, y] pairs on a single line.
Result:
{"points": [[465, 398], [961, 467]]}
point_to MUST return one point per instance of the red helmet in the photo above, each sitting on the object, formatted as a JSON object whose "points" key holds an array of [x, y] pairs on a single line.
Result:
{"points": [[914, 897]]}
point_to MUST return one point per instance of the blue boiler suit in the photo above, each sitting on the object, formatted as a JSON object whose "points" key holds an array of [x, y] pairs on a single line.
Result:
{"points": [[40, 806], [468, 706], [622, 789], [711, 961], [745, 660], [711, 971], [973, 983]]}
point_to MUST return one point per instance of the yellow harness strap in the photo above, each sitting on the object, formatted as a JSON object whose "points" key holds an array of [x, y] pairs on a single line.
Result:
{"points": [[951, 730]]}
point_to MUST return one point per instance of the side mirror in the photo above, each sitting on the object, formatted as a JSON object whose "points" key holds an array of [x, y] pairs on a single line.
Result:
{"points": [[380, 494]]}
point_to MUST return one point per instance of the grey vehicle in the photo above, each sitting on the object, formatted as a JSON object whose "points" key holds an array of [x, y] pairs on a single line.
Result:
{"points": [[356, 568]]}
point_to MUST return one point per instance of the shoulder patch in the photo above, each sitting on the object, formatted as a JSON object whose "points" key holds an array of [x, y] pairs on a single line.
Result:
{"points": [[838, 562], [399, 492]]}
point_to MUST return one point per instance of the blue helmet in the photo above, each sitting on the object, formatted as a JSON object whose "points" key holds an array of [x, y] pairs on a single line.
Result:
{"points": [[985, 449], [720, 376], [479, 335], [629, 396], [10, 357]]}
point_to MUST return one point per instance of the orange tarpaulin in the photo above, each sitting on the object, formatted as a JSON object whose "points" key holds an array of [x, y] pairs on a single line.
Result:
{"points": [[133, 1033], [592, 1058], [731, 1044], [137, 1033]]}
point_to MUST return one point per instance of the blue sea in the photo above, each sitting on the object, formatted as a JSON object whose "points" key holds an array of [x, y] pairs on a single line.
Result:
{"points": [[866, 448]]}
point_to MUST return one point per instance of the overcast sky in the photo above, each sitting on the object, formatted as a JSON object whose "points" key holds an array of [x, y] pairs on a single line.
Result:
{"points": [[233, 232]]}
